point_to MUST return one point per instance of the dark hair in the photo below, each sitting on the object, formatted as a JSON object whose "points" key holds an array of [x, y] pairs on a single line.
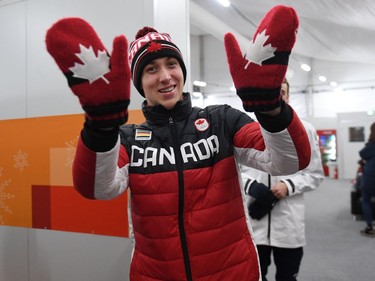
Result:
{"points": [[372, 133]]}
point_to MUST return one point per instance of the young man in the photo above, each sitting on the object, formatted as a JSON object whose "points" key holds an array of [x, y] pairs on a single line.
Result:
{"points": [[277, 210], [187, 207]]}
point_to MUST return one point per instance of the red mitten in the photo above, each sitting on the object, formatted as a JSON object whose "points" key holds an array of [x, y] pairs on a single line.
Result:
{"points": [[258, 74], [101, 82]]}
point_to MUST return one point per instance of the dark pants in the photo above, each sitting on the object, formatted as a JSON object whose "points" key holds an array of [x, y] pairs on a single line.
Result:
{"points": [[367, 206], [287, 261]]}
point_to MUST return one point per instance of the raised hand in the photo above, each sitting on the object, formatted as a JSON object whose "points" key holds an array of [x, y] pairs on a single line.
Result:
{"points": [[258, 74], [100, 81]]}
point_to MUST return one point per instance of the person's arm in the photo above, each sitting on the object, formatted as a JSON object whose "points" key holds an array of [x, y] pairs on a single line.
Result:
{"points": [[260, 199], [260, 192], [281, 139], [258, 76], [102, 84], [307, 179], [101, 164]]}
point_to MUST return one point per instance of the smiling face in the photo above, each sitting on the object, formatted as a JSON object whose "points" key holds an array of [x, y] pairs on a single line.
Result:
{"points": [[163, 82]]}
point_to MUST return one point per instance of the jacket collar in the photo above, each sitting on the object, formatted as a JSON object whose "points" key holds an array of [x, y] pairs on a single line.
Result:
{"points": [[159, 115]]}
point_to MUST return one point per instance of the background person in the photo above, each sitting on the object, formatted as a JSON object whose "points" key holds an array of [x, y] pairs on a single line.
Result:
{"points": [[277, 209], [368, 181]]}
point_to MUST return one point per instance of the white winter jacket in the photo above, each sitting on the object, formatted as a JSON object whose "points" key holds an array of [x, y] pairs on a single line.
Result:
{"points": [[284, 226]]}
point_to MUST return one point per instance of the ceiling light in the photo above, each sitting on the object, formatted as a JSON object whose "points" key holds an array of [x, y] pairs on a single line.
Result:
{"points": [[305, 67], [199, 83], [225, 3], [333, 84], [322, 78]]}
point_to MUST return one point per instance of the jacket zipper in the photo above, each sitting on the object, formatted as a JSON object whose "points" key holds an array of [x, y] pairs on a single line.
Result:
{"points": [[181, 195]]}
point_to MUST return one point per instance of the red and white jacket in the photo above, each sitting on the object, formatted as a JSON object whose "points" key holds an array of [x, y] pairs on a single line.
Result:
{"points": [[187, 202]]}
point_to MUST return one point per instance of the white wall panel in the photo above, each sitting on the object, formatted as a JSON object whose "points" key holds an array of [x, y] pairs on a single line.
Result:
{"points": [[348, 152], [48, 92], [13, 254], [12, 60], [45, 255], [216, 66], [31, 83], [62, 256], [195, 58], [329, 104]]}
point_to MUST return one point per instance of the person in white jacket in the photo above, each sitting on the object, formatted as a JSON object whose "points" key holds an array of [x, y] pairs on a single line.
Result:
{"points": [[277, 211]]}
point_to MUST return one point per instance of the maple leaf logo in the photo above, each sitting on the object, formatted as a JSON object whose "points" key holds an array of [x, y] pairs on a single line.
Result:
{"points": [[154, 47], [201, 124], [257, 52], [93, 67]]}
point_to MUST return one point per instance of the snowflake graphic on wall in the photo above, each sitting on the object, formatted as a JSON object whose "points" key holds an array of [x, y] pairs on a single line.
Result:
{"points": [[20, 160], [3, 197], [71, 148]]}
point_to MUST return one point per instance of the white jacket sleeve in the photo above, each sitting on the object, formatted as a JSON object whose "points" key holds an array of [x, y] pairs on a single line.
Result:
{"points": [[311, 177]]}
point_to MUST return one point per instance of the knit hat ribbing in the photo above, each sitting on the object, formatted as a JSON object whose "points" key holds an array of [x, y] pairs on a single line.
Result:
{"points": [[147, 46]]}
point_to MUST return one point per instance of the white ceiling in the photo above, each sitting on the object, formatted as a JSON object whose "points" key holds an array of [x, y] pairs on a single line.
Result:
{"points": [[336, 37]]}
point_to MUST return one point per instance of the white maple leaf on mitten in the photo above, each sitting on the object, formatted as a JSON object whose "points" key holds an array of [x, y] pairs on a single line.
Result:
{"points": [[93, 67], [257, 52]]}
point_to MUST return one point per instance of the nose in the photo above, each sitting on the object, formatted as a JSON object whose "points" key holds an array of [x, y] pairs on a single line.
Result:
{"points": [[165, 75]]}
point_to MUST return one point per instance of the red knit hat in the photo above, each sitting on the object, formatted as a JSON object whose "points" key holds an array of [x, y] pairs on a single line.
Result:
{"points": [[147, 46]]}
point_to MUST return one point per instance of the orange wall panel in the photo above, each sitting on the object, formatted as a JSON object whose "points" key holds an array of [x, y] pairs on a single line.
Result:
{"points": [[36, 156]]}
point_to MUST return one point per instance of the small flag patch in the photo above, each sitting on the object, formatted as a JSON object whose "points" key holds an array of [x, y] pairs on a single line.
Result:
{"points": [[142, 134]]}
